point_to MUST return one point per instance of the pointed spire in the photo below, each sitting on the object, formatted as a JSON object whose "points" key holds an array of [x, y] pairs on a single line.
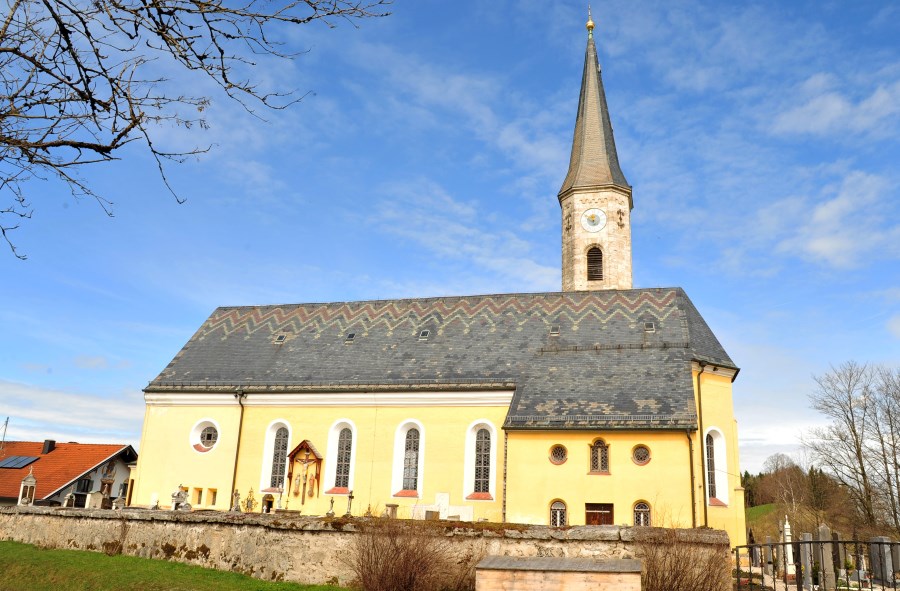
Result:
{"points": [[594, 161]]}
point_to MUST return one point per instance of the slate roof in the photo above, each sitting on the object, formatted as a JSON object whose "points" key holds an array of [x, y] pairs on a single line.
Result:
{"points": [[602, 370], [66, 463], [594, 161]]}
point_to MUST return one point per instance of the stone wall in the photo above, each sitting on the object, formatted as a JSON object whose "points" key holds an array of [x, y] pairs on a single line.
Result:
{"points": [[287, 546]]}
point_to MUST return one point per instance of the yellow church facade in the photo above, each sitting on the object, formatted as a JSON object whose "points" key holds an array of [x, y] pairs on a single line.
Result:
{"points": [[599, 404]]}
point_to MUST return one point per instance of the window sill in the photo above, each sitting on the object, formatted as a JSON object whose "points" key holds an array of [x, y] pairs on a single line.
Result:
{"points": [[338, 490], [601, 473], [407, 494], [480, 497], [714, 502]]}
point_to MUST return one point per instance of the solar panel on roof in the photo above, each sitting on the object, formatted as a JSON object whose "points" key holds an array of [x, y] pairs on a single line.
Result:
{"points": [[16, 462]]}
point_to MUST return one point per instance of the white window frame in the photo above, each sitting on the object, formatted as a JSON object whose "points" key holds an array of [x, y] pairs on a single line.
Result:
{"points": [[565, 513], [649, 513], [332, 450], [721, 465], [268, 453], [197, 430], [469, 459], [400, 454]]}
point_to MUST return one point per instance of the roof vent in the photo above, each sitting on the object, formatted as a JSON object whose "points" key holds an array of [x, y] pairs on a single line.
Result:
{"points": [[350, 337], [649, 327], [280, 339], [423, 336], [554, 330]]}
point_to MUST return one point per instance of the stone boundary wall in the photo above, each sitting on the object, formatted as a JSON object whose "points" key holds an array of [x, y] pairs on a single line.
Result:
{"points": [[287, 546]]}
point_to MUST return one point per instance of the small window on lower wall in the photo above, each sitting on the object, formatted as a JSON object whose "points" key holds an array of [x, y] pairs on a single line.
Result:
{"points": [[598, 514], [558, 514], [211, 497], [642, 514]]}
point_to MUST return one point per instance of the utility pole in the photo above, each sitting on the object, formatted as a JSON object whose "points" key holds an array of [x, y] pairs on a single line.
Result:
{"points": [[3, 437]]}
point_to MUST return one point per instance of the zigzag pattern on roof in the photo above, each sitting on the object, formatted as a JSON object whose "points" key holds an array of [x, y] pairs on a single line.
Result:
{"points": [[488, 310]]}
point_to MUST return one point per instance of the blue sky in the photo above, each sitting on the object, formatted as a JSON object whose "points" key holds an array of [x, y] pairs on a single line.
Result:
{"points": [[760, 139]]}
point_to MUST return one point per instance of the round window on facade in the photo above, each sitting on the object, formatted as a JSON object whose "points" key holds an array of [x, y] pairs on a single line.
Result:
{"points": [[204, 436], [640, 455], [558, 454]]}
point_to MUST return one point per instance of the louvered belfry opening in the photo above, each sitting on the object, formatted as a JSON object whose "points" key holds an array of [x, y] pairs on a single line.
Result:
{"points": [[595, 264]]}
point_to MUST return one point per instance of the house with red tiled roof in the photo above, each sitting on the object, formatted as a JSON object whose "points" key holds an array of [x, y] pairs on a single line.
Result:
{"points": [[59, 469]]}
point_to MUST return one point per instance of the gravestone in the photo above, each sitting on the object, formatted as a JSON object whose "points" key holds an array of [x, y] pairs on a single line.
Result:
{"points": [[895, 555], [779, 552], [806, 561], [825, 559], [768, 556], [179, 498], [880, 558], [790, 568]]}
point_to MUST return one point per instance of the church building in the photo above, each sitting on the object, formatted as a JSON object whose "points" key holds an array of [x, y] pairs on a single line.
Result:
{"points": [[598, 404]]}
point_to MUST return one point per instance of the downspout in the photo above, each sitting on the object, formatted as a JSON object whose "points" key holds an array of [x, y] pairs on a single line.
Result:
{"points": [[239, 397], [702, 446], [505, 452], [693, 479]]}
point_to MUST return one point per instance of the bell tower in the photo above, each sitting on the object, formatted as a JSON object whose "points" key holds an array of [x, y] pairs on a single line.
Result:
{"points": [[595, 198]]}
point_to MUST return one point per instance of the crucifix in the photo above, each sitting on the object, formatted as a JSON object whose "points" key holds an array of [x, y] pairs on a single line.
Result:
{"points": [[305, 462]]}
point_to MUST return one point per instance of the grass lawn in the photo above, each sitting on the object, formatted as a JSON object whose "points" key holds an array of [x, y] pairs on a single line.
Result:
{"points": [[758, 512], [29, 568]]}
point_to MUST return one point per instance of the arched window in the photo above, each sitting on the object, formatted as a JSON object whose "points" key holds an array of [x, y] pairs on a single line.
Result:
{"points": [[344, 455], [558, 514], [279, 458], [716, 467], [595, 264], [482, 461], [409, 456], [274, 462], [340, 456], [600, 457], [642, 514], [411, 461], [711, 464]]}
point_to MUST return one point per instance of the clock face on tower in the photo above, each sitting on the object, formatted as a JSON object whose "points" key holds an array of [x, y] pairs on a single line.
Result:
{"points": [[593, 220]]}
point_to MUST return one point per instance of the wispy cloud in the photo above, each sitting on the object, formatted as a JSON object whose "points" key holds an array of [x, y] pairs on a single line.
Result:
{"points": [[849, 228], [893, 325], [826, 110], [38, 413], [424, 213]]}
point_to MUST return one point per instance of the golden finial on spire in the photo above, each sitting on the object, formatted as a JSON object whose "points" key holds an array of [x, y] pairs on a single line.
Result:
{"points": [[590, 24]]}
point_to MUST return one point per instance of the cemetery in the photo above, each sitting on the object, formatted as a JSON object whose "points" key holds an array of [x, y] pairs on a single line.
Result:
{"points": [[824, 560]]}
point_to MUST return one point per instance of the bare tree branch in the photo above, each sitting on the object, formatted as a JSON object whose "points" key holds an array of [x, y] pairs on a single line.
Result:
{"points": [[76, 81]]}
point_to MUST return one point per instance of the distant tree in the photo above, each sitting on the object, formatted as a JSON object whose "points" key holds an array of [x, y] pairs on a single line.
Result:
{"points": [[860, 445], [750, 483], [79, 79], [808, 497]]}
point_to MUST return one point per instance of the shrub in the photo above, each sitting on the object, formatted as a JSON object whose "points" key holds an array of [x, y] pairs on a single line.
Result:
{"points": [[400, 555], [679, 560]]}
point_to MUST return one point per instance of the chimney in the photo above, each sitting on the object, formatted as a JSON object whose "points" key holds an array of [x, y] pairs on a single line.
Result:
{"points": [[49, 445]]}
